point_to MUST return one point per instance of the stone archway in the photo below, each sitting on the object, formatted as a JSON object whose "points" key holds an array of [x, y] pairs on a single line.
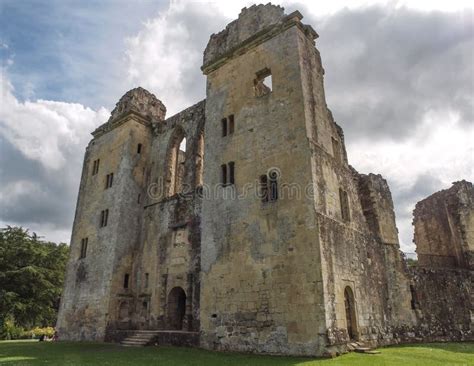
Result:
{"points": [[351, 320], [176, 307]]}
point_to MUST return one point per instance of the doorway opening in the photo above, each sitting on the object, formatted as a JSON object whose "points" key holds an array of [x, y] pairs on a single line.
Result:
{"points": [[176, 308], [349, 304]]}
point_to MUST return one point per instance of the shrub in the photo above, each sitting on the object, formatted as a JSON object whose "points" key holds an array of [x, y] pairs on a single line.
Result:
{"points": [[9, 330], [38, 332]]}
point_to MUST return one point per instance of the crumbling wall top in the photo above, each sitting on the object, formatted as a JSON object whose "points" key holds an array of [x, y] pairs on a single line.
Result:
{"points": [[443, 227], [137, 100], [253, 23]]}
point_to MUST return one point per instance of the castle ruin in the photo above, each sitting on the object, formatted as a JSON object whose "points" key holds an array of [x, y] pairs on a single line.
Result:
{"points": [[238, 224]]}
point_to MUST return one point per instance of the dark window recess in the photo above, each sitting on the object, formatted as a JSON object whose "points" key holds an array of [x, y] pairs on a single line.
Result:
{"points": [[139, 148], [231, 172], [231, 124], [125, 280], [264, 188], [269, 187], [104, 217], [84, 243], [139, 198], [95, 167], [273, 182], [109, 180], [147, 278], [344, 202], [228, 125], [224, 174], [224, 127]]}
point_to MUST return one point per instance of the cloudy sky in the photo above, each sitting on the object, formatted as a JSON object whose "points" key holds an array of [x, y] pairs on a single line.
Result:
{"points": [[399, 80]]}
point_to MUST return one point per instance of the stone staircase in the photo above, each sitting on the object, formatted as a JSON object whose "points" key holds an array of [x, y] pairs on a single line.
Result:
{"points": [[139, 338], [361, 347]]}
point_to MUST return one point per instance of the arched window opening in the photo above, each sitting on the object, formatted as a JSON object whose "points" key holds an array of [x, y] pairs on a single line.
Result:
{"points": [[176, 163], [200, 160], [176, 308], [351, 322]]}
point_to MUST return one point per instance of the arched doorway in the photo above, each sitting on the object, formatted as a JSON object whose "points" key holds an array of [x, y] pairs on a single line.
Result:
{"points": [[176, 308], [349, 304]]}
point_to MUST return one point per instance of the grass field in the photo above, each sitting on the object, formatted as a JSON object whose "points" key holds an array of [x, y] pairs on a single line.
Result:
{"points": [[68, 354]]}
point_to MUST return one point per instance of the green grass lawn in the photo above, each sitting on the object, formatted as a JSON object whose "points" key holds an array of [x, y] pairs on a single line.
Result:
{"points": [[68, 354]]}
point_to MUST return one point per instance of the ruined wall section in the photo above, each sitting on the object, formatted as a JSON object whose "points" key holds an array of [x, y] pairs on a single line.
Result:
{"points": [[169, 253], [261, 288], [444, 304], [377, 206], [444, 228], [354, 247], [442, 280], [91, 281]]}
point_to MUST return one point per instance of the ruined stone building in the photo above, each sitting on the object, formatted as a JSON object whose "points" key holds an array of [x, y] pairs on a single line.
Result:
{"points": [[238, 224]]}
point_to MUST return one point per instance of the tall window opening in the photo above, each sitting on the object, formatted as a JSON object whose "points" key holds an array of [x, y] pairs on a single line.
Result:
{"points": [[126, 279], [264, 188], [95, 167], [200, 160], [344, 203], [263, 83], [84, 243], [231, 124], [224, 127], [224, 174], [228, 173], [104, 217], [231, 172], [176, 162], [228, 125], [109, 180], [269, 186], [139, 148]]}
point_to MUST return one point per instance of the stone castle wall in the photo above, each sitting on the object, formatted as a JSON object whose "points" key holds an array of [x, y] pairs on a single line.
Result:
{"points": [[306, 268]]}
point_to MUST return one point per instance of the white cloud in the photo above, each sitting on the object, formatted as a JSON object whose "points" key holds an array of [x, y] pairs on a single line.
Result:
{"points": [[439, 148], [166, 54], [45, 130]]}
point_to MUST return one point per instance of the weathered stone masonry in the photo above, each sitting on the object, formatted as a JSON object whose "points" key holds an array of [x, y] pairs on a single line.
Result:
{"points": [[238, 224]]}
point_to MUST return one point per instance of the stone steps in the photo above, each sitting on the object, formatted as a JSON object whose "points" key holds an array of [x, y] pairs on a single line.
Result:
{"points": [[140, 338], [361, 347]]}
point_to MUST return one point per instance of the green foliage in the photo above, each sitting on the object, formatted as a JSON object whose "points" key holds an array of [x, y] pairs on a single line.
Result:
{"points": [[412, 262], [9, 330], [31, 279], [37, 332], [72, 354]]}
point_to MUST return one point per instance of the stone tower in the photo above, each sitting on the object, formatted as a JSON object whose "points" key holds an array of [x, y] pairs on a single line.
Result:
{"points": [[286, 242], [108, 215]]}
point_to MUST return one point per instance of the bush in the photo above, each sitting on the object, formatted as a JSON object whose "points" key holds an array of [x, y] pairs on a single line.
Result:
{"points": [[38, 332], [10, 331]]}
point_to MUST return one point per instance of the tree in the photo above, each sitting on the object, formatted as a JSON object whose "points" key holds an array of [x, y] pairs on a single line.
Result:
{"points": [[31, 277]]}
